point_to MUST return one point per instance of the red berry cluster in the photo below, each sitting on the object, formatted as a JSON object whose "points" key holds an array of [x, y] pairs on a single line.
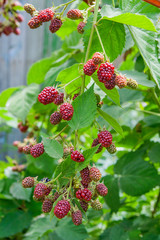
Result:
{"points": [[92, 64], [77, 156], [12, 18], [23, 127]]}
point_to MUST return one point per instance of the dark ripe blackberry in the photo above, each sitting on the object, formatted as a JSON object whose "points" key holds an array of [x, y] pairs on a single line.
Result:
{"points": [[66, 111], [105, 138], [59, 99], [98, 58], [77, 217], [121, 81], [61, 209], [55, 118], [77, 156], [95, 143], [22, 127], [55, 25], [84, 194], [111, 83], [105, 72], [28, 182], [74, 14], [95, 174], [55, 196], [80, 27], [75, 96], [47, 206], [45, 15], [85, 175], [41, 190], [34, 23], [84, 205], [102, 190], [37, 150], [89, 68], [47, 95]]}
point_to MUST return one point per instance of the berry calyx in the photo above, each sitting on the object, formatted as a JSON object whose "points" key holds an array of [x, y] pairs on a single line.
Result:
{"points": [[95, 143], [47, 206], [105, 138], [47, 95], [61, 209], [121, 81], [98, 58], [45, 15], [105, 72], [55, 25], [89, 68], [95, 174], [74, 14], [59, 99], [77, 156], [96, 205], [80, 27], [41, 190], [85, 175], [28, 182], [66, 111], [84, 194], [55, 118], [77, 217], [37, 150], [34, 23], [112, 148], [102, 190], [111, 83]]}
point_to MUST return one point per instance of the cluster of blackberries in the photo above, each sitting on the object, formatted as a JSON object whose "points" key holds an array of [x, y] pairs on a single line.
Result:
{"points": [[64, 199], [12, 18], [75, 14]]}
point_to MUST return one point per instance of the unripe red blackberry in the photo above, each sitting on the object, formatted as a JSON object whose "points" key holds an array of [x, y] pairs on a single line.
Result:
{"points": [[111, 83], [95, 174], [29, 8], [7, 30], [112, 148], [95, 143], [41, 190], [102, 190], [20, 149], [22, 127], [74, 14], [55, 196], [55, 25], [84, 184], [28, 182], [75, 96], [121, 81], [27, 149], [37, 150], [47, 95], [84, 194], [84, 205], [98, 58], [77, 217], [66, 111], [45, 15], [132, 83], [59, 99], [61, 209], [47, 206], [85, 175], [38, 199], [16, 143], [105, 138], [55, 118], [89, 68], [16, 31], [19, 18], [80, 27], [34, 23], [96, 205], [67, 151], [105, 72], [77, 156]]}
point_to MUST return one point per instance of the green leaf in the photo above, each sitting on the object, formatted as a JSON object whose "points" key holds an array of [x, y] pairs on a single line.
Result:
{"points": [[19, 192], [136, 176], [112, 199], [73, 41], [67, 28], [4, 96], [84, 110], [115, 233], [154, 153], [112, 121], [53, 148], [14, 222], [113, 94], [38, 70], [136, 20], [21, 102], [18, 8]]}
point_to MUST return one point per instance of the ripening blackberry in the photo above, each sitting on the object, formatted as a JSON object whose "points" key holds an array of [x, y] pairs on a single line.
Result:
{"points": [[96, 205], [110, 84], [121, 81], [47, 95], [84, 205], [34, 23], [29, 8], [45, 15], [55, 25], [102, 190], [105, 72], [105, 138], [77, 156], [112, 148], [74, 14], [89, 68], [55, 118], [28, 182], [95, 174], [66, 111], [77, 217], [27, 149], [80, 27], [59, 99], [95, 143], [41, 190], [61, 209], [47, 206], [84, 194], [37, 150], [85, 175], [98, 58], [132, 83]]}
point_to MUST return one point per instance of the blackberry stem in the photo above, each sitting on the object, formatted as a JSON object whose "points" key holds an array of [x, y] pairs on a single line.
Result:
{"points": [[100, 40], [113, 3], [64, 4], [59, 132]]}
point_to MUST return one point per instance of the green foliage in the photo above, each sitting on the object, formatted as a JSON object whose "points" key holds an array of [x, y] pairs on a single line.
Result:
{"points": [[52, 148]]}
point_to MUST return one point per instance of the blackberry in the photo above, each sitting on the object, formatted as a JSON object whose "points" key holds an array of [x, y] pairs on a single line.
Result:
{"points": [[67, 151], [96, 205], [27, 149], [55, 118], [98, 58], [41, 190], [74, 14], [77, 156], [110, 84], [22, 127], [29, 8], [95, 143], [47, 95], [89, 68], [132, 83], [75, 96], [61, 209], [47, 206], [84, 184], [28, 182], [55, 25], [112, 148], [59, 99], [121, 81], [77, 217], [84, 194], [95, 174], [84, 205], [66, 111], [102, 190], [55, 196], [85, 175], [80, 27], [45, 15], [105, 138], [105, 72], [34, 23], [19, 18], [37, 150]]}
